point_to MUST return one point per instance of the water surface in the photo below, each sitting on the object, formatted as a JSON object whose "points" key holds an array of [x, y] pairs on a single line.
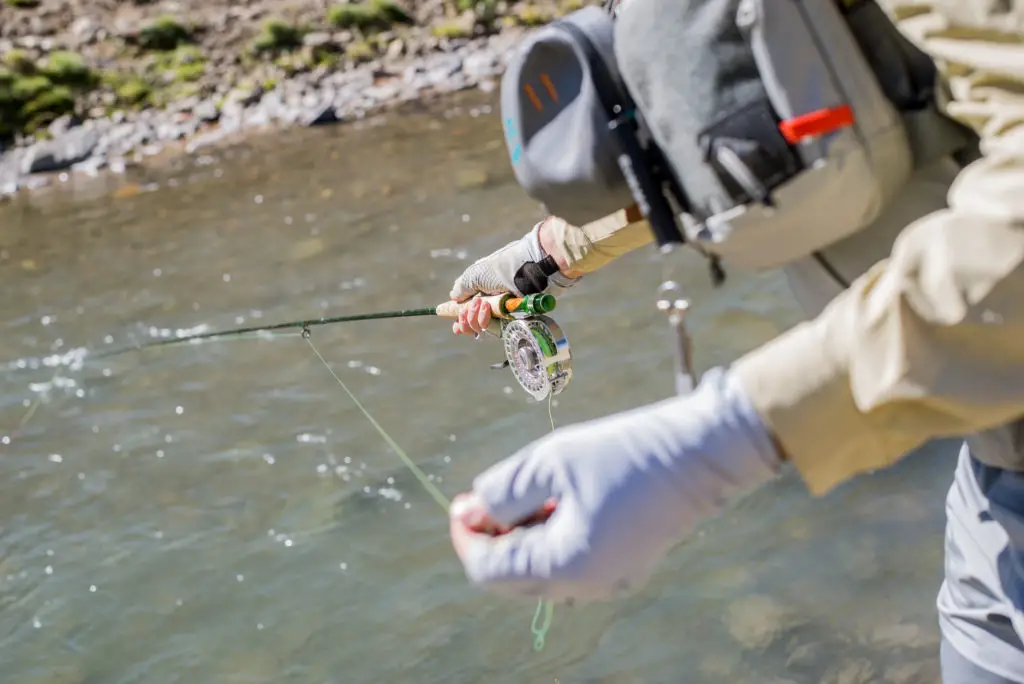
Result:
{"points": [[222, 513]]}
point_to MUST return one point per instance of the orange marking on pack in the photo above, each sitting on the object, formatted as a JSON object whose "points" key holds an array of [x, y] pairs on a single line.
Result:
{"points": [[549, 86], [533, 97]]}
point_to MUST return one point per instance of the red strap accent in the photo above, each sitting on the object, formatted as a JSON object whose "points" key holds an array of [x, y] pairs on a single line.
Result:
{"points": [[814, 124]]}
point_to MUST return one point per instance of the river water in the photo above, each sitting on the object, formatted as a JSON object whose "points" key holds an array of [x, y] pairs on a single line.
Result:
{"points": [[222, 513]]}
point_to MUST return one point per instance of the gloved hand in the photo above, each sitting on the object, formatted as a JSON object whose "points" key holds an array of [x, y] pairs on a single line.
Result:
{"points": [[520, 267], [627, 488]]}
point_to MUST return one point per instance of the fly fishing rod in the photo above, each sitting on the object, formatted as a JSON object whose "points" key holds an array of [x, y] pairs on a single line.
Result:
{"points": [[536, 349]]}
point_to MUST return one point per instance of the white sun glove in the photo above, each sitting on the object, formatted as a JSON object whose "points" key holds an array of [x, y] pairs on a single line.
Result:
{"points": [[520, 267], [628, 488]]}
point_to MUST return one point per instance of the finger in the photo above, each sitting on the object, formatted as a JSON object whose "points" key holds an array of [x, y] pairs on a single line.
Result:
{"points": [[460, 292], [467, 284], [478, 279], [467, 520], [518, 487], [471, 310], [483, 316], [469, 509]]}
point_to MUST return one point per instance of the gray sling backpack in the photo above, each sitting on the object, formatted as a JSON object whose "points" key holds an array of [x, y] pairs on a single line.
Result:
{"points": [[757, 131]]}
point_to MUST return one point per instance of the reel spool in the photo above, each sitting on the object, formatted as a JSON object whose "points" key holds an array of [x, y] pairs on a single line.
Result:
{"points": [[538, 353]]}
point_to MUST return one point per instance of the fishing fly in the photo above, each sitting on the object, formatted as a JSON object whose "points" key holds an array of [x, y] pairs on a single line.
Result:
{"points": [[536, 351]]}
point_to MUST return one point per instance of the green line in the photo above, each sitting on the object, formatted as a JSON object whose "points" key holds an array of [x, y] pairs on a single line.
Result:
{"points": [[431, 488]]}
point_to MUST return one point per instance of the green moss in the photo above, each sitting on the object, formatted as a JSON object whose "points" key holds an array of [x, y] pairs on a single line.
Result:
{"points": [[485, 11], [28, 87], [30, 101], [48, 105], [133, 91], [531, 15], [451, 30], [164, 33], [186, 54], [570, 6], [278, 36], [360, 51], [185, 64], [69, 69], [22, 4], [19, 62], [190, 72], [329, 59], [290, 64], [162, 97], [370, 15]]}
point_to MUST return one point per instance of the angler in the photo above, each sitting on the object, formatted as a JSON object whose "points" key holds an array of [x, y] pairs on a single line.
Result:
{"points": [[880, 163]]}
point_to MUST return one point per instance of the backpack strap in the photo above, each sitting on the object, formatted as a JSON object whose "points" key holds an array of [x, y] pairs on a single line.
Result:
{"points": [[910, 80]]}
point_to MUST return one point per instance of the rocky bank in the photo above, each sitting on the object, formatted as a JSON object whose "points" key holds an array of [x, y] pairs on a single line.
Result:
{"points": [[91, 84]]}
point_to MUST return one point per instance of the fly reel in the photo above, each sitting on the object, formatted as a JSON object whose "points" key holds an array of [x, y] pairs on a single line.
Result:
{"points": [[538, 353]]}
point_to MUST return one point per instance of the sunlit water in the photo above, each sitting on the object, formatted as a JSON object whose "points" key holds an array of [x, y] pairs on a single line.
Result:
{"points": [[222, 513]]}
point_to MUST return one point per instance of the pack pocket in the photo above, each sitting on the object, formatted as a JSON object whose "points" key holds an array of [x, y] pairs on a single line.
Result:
{"points": [[821, 205], [747, 152]]}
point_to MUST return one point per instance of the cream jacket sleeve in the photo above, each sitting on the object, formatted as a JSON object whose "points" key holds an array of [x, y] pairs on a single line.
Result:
{"points": [[930, 342], [592, 246]]}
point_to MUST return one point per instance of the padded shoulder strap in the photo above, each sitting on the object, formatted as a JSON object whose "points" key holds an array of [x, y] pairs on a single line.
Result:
{"points": [[910, 80]]}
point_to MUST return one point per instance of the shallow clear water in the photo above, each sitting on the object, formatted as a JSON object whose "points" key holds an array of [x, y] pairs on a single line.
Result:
{"points": [[222, 513]]}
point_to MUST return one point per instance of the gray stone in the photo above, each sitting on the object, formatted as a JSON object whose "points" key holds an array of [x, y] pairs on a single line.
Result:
{"points": [[320, 115], [60, 153], [206, 111], [317, 39]]}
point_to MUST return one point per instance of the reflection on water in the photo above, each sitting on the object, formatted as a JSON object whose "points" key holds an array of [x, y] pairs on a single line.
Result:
{"points": [[222, 513]]}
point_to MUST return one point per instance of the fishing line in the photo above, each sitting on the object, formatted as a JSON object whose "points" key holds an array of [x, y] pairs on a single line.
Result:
{"points": [[535, 350], [545, 612]]}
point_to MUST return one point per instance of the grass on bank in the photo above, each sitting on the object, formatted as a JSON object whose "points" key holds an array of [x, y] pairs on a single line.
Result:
{"points": [[368, 15], [163, 34], [35, 93], [32, 94], [278, 36]]}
